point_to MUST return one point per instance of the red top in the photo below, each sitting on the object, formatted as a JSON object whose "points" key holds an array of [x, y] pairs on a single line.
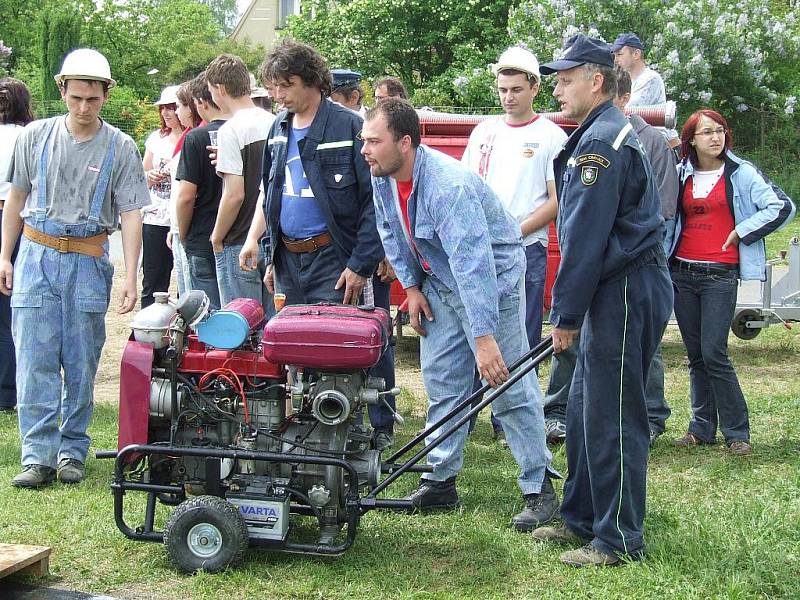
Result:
{"points": [[707, 225], [404, 189]]}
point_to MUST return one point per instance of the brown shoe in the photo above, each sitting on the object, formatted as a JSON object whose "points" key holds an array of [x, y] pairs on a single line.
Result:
{"points": [[560, 534], [588, 556], [740, 448], [689, 440]]}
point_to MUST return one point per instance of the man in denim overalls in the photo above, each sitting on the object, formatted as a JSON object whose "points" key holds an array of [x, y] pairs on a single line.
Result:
{"points": [[73, 178]]}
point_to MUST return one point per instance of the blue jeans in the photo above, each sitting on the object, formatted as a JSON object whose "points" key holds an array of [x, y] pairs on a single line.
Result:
{"points": [[181, 265], [203, 276], [535, 271], [704, 307], [8, 361], [562, 369], [447, 358], [59, 302], [234, 282]]}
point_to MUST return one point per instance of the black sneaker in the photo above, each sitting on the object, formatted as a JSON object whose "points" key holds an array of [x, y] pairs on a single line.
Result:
{"points": [[539, 508], [555, 431], [434, 495], [499, 436], [654, 436], [34, 476]]}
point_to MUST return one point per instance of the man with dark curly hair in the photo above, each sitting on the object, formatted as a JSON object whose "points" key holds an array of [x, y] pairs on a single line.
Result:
{"points": [[318, 211]]}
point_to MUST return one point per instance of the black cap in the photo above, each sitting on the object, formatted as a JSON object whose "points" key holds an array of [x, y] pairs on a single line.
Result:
{"points": [[627, 39], [343, 77], [582, 50]]}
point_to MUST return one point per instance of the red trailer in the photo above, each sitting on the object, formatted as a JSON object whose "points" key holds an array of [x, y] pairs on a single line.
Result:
{"points": [[449, 133]]}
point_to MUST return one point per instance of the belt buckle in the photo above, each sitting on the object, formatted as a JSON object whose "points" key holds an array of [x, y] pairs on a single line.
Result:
{"points": [[63, 245]]}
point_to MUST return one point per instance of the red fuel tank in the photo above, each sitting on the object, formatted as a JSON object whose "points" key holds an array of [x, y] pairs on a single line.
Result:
{"points": [[327, 336]]}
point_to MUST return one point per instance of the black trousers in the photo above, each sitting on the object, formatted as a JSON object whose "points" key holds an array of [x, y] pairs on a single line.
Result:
{"points": [[8, 361], [608, 435], [156, 262]]}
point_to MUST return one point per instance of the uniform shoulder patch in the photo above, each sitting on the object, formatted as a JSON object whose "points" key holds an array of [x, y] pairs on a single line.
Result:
{"points": [[589, 174], [593, 158]]}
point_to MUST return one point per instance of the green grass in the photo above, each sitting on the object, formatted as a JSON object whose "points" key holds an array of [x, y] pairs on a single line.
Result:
{"points": [[717, 526]]}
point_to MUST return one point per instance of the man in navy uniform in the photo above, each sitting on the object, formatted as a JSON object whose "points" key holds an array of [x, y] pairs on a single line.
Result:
{"points": [[613, 286]]}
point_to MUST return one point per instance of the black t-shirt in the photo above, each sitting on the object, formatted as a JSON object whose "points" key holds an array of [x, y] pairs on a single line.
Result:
{"points": [[195, 167]]}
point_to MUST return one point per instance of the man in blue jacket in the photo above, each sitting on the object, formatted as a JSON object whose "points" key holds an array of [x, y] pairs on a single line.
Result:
{"points": [[459, 256], [324, 245], [613, 286]]}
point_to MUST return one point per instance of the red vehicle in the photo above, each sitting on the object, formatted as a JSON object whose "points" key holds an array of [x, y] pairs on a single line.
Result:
{"points": [[449, 133]]}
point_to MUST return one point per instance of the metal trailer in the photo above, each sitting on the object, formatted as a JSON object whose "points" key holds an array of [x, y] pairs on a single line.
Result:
{"points": [[780, 300]]}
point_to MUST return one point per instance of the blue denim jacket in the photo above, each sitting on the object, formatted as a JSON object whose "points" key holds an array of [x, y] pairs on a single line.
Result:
{"points": [[339, 177], [471, 244], [757, 212]]}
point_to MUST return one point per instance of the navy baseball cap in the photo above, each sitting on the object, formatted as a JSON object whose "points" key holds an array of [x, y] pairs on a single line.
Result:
{"points": [[344, 77], [582, 50], [627, 39]]}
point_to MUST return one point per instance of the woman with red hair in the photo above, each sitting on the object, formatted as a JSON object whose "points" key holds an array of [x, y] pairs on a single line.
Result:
{"points": [[725, 209]]}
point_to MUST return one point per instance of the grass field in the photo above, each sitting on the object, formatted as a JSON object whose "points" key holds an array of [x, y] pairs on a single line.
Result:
{"points": [[717, 526]]}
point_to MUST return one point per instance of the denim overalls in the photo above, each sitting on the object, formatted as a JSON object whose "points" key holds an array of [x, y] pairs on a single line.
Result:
{"points": [[59, 301]]}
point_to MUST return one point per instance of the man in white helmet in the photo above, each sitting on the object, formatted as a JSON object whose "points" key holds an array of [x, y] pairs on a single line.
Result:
{"points": [[514, 154], [73, 179]]}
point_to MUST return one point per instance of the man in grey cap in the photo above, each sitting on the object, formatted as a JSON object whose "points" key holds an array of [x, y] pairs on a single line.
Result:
{"points": [[614, 288], [647, 86], [346, 89]]}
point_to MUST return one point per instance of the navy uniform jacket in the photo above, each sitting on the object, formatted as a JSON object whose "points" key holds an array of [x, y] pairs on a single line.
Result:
{"points": [[339, 177], [608, 211]]}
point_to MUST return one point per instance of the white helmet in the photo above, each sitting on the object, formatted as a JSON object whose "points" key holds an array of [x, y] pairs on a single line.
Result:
{"points": [[520, 59], [169, 95], [85, 63]]}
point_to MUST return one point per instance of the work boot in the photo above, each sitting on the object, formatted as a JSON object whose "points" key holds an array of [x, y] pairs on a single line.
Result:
{"points": [[382, 439], [34, 476], [740, 448], [434, 495], [560, 534], [588, 556], [71, 470], [499, 436], [539, 508]]}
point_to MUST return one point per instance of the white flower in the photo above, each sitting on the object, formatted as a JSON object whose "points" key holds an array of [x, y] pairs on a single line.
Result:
{"points": [[742, 107], [460, 82], [705, 96], [788, 108], [673, 57]]}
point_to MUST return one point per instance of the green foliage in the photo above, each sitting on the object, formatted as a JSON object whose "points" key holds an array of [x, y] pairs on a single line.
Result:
{"points": [[415, 40], [59, 31], [131, 114], [138, 36], [731, 55], [224, 13], [198, 56]]}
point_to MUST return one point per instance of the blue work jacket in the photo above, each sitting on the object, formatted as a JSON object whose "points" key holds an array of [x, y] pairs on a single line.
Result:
{"points": [[458, 226], [339, 177], [608, 210]]}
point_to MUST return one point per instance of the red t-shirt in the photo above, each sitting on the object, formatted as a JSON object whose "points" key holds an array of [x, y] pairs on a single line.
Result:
{"points": [[707, 225], [404, 189]]}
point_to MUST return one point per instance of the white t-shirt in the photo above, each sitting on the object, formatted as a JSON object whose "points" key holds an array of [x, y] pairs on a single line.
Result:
{"points": [[517, 163], [246, 127], [8, 137], [162, 149]]}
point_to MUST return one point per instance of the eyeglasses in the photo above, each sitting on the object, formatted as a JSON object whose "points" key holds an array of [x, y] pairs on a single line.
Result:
{"points": [[720, 131]]}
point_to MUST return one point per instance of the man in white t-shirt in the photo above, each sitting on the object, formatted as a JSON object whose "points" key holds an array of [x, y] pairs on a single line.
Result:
{"points": [[240, 155], [647, 86], [514, 154]]}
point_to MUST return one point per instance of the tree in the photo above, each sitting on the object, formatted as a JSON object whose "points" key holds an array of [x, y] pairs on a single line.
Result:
{"points": [[224, 12], [415, 40], [60, 32]]}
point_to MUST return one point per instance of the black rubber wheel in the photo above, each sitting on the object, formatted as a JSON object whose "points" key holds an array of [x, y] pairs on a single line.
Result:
{"points": [[739, 324], [205, 532]]}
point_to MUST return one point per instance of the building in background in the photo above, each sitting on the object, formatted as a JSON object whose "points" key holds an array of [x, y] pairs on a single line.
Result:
{"points": [[261, 20]]}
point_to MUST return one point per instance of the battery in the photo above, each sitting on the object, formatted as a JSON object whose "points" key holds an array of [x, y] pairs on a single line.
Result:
{"points": [[267, 517]]}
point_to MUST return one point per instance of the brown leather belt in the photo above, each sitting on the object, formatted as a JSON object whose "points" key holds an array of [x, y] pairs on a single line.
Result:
{"points": [[307, 245], [91, 246]]}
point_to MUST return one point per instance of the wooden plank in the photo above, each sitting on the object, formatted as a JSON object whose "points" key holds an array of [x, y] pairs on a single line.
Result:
{"points": [[32, 560]]}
